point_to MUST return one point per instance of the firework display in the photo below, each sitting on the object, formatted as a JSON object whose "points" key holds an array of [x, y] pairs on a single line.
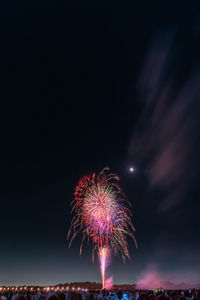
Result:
{"points": [[102, 214]]}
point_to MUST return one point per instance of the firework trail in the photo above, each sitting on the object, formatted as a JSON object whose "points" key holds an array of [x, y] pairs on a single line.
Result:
{"points": [[102, 214]]}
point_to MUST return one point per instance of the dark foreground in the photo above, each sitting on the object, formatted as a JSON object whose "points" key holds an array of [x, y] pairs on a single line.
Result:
{"points": [[50, 293]]}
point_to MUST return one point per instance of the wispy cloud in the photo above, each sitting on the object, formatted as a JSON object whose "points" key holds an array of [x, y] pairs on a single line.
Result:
{"points": [[167, 136]]}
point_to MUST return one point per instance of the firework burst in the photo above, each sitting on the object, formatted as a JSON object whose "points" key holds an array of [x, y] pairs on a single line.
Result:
{"points": [[102, 214]]}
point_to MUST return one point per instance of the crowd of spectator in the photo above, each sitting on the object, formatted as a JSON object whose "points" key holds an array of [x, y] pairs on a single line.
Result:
{"points": [[85, 294]]}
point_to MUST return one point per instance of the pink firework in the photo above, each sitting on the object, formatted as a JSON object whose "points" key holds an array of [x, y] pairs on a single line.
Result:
{"points": [[102, 214]]}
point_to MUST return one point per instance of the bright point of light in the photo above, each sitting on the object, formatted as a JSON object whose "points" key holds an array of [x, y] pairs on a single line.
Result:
{"points": [[131, 169]]}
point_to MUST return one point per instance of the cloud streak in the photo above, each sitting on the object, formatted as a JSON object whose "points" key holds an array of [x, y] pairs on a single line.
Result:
{"points": [[166, 138]]}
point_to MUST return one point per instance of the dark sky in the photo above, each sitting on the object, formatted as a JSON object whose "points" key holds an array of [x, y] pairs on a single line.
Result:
{"points": [[80, 83]]}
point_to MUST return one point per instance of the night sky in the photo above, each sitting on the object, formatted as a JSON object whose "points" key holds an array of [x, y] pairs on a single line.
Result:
{"points": [[84, 85]]}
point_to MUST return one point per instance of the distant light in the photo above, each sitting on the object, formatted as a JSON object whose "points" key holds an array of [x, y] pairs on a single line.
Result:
{"points": [[131, 169]]}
